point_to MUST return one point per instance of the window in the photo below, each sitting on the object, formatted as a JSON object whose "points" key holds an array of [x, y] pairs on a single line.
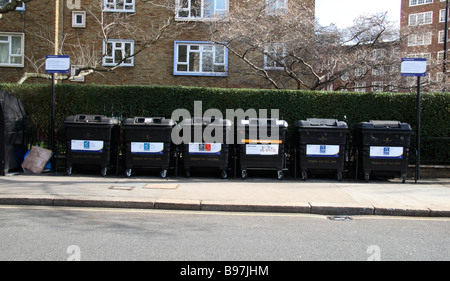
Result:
{"points": [[11, 49], [420, 39], [421, 18], [377, 71], [442, 15], [274, 56], [419, 2], [127, 6], [118, 52], [73, 70], [200, 58], [360, 87], [377, 86], [19, 8], [275, 7], [79, 19], [201, 9]]}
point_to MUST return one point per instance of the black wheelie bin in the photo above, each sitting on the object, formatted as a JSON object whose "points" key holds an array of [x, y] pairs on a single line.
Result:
{"points": [[148, 144], [199, 152], [12, 133], [92, 140], [263, 145], [382, 147], [320, 144]]}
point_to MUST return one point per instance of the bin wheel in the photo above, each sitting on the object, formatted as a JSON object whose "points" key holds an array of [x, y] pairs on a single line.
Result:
{"points": [[163, 173], [69, 170], [339, 176], [224, 174], [244, 174], [403, 178], [128, 173], [103, 172], [367, 177], [280, 175], [304, 175]]}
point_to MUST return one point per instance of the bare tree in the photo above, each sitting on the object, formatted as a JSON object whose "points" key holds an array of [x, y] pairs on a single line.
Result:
{"points": [[288, 48], [7, 6], [89, 53]]}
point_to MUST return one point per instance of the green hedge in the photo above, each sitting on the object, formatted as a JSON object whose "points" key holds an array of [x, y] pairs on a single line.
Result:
{"points": [[130, 101]]}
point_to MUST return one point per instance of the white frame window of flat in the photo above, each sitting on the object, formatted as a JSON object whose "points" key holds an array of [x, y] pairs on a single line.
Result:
{"points": [[20, 8], [116, 51], [198, 58], [413, 3], [276, 7], [421, 18], [277, 51], [122, 6], [12, 49], [202, 9]]}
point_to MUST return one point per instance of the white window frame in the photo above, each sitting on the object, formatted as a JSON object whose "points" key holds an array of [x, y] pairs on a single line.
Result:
{"points": [[115, 46], [218, 12], [421, 18], [75, 14], [422, 39], [73, 70], [112, 6], [269, 63], [181, 67], [8, 41], [18, 8], [413, 3], [276, 7], [377, 86]]}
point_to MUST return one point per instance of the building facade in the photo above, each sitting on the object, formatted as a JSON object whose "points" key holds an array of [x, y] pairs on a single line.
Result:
{"points": [[123, 42], [423, 29]]}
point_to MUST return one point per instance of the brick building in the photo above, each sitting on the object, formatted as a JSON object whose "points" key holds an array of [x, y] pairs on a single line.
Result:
{"points": [[423, 26], [103, 34]]}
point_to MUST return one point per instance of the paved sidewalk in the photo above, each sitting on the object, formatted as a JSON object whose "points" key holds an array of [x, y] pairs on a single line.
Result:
{"points": [[430, 197]]}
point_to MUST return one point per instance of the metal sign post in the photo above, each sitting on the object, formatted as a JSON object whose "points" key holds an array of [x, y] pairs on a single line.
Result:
{"points": [[418, 68], [55, 64]]}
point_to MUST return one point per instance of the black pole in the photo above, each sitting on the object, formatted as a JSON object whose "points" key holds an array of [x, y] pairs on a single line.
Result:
{"points": [[418, 130], [445, 46], [52, 133]]}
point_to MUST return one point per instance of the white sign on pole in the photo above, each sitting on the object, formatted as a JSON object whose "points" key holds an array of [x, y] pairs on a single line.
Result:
{"points": [[414, 67], [57, 64]]}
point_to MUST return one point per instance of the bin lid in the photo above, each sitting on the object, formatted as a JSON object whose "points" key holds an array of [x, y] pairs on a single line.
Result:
{"points": [[206, 121], [91, 119], [11, 108], [149, 121], [384, 125], [272, 122], [321, 123]]}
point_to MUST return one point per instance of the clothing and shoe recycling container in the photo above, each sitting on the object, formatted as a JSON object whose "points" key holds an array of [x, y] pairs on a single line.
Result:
{"points": [[148, 144], [320, 144], [12, 133], [92, 140], [382, 147], [209, 144], [262, 145]]}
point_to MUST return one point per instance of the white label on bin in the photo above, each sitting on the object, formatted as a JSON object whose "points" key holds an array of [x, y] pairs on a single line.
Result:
{"points": [[147, 147], [262, 149], [388, 152], [87, 145], [205, 148], [315, 150]]}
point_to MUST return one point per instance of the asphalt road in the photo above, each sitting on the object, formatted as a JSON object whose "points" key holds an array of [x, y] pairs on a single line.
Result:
{"points": [[60, 234]]}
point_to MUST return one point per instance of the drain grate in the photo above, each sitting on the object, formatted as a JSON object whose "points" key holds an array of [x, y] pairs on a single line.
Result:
{"points": [[161, 186], [340, 218], [129, 188]]}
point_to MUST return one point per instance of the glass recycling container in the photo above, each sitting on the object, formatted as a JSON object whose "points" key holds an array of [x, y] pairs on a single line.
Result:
{"points": [[92, 140], [382, 147], [320, 144], [209, 146], [260, 151], [148, 144]]}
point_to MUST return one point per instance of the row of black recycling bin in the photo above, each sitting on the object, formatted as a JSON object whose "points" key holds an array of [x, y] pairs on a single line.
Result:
{"points": [[319, 144]]}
